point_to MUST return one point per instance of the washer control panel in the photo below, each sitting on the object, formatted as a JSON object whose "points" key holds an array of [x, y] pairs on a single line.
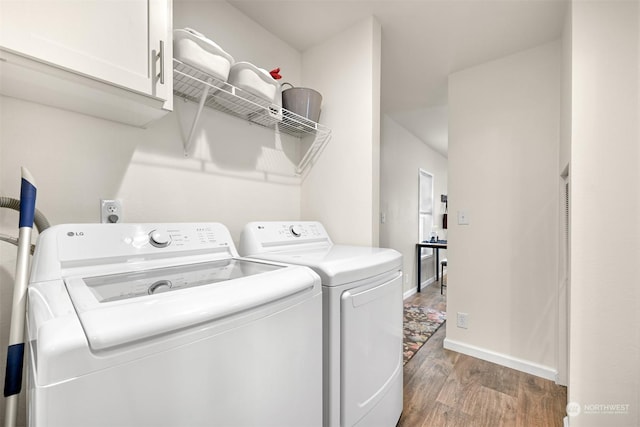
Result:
{"points": [[97, 241]]}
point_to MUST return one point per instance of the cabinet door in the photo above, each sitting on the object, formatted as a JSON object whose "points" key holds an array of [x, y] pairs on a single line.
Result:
{"points": [[115, 41], [161, 37]]}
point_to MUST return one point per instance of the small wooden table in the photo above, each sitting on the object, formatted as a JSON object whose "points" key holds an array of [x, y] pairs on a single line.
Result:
{"points": [[440, 244]]}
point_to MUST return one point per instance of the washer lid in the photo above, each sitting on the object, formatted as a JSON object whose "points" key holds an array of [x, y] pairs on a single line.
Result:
{"points": [[117, 309], [340, 264]]}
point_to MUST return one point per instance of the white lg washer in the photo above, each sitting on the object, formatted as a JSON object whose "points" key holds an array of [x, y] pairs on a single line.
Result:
{"points": [[362, 309], [164, 325]]}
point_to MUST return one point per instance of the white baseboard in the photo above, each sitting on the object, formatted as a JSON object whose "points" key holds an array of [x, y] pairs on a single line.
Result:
{"points": [[502, 359], [412, 291]]}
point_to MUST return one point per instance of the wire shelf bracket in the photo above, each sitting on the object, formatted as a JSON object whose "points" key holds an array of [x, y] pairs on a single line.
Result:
{"points": [[208, 91]]}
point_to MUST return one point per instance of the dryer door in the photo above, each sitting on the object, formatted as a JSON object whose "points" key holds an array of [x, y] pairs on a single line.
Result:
{"points": [[371, 349]]}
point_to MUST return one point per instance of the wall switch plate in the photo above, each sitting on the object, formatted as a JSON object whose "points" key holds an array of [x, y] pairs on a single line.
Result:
{"points": [[110, 211], [463, 218], [463, 320]]}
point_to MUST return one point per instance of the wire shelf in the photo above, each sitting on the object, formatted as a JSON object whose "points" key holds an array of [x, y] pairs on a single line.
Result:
{"points": [[208, 91]]}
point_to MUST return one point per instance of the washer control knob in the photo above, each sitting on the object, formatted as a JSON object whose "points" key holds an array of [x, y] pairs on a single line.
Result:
{"points": [[159, 239], [296, 230], [159, 287]]}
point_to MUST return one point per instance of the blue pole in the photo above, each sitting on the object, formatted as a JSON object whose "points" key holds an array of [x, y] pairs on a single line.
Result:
{"points": [[15, 351]]}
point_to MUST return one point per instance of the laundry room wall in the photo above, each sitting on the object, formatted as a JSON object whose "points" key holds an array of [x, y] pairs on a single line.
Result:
{"points": [[504, 130], [342, 189], [236, 172], [402, 156]]}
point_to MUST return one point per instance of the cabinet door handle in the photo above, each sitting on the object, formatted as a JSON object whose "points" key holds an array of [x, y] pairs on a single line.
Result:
{"points": [[160, 57]]}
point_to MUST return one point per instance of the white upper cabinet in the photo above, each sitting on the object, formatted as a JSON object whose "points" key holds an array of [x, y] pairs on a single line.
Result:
{"points": [[123, 44]]}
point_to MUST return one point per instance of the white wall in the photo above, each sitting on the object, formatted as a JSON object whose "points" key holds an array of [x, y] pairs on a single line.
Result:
{"points": [[236, 172], [339, 190], [503, 171], [565, 111], [605, 174], [402, 156]]}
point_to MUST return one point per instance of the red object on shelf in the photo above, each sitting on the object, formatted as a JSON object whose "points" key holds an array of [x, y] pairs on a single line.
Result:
{"points": [[275, 73]]}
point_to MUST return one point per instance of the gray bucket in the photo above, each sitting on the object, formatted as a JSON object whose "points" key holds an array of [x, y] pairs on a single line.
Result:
{"points": [[302, 101]]}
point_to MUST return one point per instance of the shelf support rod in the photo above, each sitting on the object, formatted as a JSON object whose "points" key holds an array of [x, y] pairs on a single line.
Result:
{"points": [[196, 119], [314, 150]]}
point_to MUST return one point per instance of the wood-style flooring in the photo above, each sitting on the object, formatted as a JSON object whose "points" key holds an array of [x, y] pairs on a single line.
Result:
{"points": [[443, 388]]}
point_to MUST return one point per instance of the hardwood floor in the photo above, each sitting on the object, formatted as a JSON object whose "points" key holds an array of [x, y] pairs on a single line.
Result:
{"points": [[443, 388]]}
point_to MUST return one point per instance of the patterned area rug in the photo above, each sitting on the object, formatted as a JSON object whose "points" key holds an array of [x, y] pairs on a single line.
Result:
{"points": [[419, 324]]}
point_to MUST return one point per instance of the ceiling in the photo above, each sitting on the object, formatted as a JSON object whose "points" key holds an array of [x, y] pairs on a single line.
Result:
{"points": [[423, 41]]}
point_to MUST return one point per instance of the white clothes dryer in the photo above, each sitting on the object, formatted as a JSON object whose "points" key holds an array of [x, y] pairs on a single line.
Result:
{"points": [[362, 318], [164, 325]]}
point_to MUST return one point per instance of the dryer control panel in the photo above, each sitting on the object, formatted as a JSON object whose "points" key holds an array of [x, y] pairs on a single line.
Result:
{"points": [[258, 236]]}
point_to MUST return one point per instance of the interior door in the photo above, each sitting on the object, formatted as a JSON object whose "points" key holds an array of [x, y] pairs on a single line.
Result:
{"points": [[371, 345]]}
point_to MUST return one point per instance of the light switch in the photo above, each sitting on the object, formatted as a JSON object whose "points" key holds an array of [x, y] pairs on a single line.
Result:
{"points": [[463, 218]]}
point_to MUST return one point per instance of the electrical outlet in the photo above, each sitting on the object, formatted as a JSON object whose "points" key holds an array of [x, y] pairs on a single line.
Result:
{"points": [[463, 320], [110, 211]]}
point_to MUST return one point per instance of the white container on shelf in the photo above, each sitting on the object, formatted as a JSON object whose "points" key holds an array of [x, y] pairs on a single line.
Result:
{"points": [[256, 81], [193, 48]]}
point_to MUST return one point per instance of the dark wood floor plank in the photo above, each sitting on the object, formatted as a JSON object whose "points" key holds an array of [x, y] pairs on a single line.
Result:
{"points": [[540, 401], [444, 416]]}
